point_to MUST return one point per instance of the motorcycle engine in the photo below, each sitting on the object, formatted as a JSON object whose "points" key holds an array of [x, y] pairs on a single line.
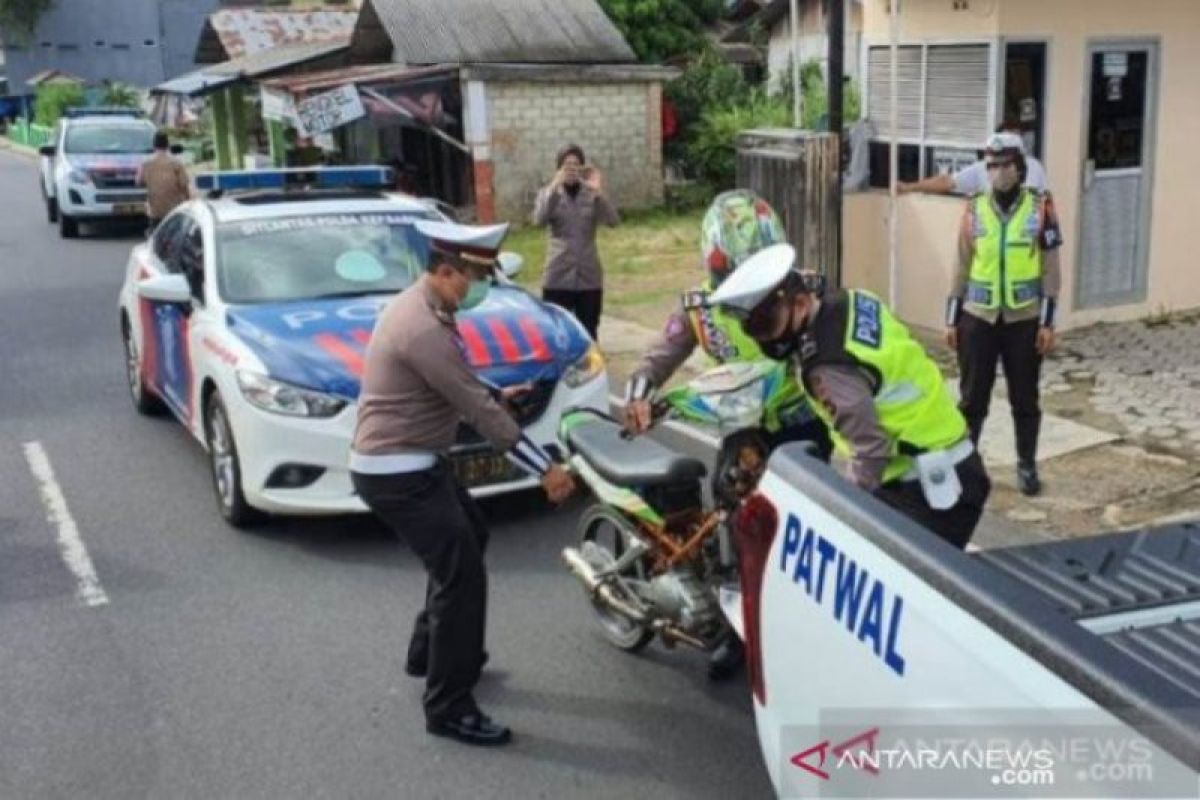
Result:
{"points": [[683, 598]]}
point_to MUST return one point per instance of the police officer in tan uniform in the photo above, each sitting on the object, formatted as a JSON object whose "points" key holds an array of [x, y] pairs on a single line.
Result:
{"points": [[416, 389]]}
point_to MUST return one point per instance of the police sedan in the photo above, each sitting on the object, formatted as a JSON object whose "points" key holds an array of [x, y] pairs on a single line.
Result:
{"points": [[247, 317]]}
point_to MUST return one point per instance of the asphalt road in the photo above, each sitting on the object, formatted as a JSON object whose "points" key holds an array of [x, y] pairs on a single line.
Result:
{"points": [[234, 665]]}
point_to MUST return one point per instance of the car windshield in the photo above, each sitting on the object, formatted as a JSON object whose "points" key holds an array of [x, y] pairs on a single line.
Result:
{"points": [[110, 139], [311, 257]]}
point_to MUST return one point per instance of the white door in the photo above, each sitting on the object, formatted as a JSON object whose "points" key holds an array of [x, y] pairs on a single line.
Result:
{"points": [[1117, 172]]}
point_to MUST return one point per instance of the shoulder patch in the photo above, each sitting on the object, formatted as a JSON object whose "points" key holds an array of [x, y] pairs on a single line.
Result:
{"points": [[867, 323], [676, 327]]}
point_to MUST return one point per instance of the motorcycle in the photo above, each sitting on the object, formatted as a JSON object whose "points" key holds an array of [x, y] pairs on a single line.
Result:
{"points": [[652, 554]]}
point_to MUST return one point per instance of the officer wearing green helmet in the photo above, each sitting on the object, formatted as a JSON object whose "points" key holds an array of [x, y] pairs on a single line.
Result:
{"points": [[737, 225], [881, 396]]}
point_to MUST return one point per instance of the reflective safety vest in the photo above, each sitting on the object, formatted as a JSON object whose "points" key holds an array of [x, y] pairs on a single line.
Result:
{"points": [[913, 406], [1007, 268]]}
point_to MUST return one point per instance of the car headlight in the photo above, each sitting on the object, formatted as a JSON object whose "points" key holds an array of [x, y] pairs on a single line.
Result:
{"points": [[741, 407], [284, 398], [586, 368], [78, 176]]}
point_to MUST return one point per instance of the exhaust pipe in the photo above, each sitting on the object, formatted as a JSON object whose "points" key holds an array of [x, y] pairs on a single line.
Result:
{"points": [[601, 590]]}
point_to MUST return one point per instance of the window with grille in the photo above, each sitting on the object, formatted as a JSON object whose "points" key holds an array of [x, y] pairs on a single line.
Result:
{"points": [[944, 98]]}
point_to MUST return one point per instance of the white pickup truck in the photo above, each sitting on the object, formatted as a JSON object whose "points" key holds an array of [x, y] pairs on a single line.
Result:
{"points": [[885, 663]]}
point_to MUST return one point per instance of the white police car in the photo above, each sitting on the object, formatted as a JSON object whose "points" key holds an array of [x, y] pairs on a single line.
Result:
{"points": [[88, 170], [247, 316]]}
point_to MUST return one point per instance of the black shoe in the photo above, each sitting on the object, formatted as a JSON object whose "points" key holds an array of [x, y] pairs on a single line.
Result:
{"points": [[727, 659], [419, 669], [1027, 479], [471, 729]]}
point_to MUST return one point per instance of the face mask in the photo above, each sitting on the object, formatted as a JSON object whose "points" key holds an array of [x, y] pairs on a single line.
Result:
{"points": [[476, 293]]}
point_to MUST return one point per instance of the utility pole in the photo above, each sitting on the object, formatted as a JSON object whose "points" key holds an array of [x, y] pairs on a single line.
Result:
{"points": [[837, 57]]}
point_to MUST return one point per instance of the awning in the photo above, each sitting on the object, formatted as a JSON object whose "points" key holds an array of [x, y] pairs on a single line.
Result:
{"points": [[258, 65], [410, 94]]}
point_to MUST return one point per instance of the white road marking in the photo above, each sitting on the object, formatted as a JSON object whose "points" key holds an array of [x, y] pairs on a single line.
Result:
{"points": [[74, 553]]}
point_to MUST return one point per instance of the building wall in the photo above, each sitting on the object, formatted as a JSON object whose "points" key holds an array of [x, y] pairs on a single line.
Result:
{"points": [[121, 40], [619, 127], [813, 41], [928, 223]]}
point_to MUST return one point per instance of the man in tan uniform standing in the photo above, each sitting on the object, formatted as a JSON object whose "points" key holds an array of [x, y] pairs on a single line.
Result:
{"points": [[416, 389], [166, 181]]}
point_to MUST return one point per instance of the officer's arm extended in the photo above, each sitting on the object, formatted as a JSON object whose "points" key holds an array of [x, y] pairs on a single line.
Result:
{"points": [[846, 393], [665, 354], [435, 357]]}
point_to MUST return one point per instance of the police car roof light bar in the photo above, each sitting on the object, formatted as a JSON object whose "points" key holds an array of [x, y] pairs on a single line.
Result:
{"points": [[103, 111], [365, 177]]}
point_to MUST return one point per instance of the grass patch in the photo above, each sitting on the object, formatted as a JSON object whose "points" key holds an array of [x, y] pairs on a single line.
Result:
{"points": [[648, 260]]}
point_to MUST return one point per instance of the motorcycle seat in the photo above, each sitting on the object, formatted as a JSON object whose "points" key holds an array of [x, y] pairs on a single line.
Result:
{"points": [[631, 462]]}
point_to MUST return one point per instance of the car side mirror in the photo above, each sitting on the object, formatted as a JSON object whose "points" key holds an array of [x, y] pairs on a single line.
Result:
{"points": [[165, 289], [48, 150], [510, 264]]}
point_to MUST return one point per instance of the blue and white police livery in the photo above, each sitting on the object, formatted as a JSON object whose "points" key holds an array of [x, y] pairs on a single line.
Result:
{"points": [[248, 316]]}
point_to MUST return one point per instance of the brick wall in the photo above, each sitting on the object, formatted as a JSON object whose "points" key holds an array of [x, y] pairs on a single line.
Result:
{"points": [[619, 126]]}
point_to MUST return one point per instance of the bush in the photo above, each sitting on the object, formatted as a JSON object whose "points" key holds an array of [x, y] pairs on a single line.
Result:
{"points": [[815, 101], [714, 154], [708, 82], [53, 100], [120, 94]]}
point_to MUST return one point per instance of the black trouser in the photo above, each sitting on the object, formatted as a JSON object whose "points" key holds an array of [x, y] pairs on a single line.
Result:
{"points": [[957, 523], [585, 304], [447, 531], [1014, 345]]}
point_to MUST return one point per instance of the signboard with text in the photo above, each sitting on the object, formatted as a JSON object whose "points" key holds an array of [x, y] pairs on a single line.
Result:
{"points": [[323, 112]]}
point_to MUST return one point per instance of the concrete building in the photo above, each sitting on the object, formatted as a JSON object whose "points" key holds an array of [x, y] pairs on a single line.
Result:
{"points": [[141, 42], [1106, 93]]}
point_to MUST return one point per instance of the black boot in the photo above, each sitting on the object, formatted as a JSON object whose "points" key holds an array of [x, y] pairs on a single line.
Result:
{"points": [[727, 659], [1027, 478]]}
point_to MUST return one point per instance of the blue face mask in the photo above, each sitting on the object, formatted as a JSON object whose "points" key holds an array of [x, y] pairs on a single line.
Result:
{"points": [[476, 294]]}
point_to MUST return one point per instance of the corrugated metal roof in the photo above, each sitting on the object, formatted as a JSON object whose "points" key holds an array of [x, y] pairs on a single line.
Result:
{"points": [[237, 32], [499, 31], [257, 65]]}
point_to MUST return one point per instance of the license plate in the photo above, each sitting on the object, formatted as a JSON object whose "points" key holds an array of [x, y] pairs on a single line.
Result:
{"points": [[129, 209], [484, 469]]}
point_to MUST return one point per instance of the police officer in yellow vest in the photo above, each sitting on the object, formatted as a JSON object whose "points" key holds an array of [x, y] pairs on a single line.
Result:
{"points": [[876, 389], [736, 225], [1001, 307]]}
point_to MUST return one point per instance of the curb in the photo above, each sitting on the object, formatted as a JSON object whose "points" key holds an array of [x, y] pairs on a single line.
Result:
{"points": [[12, 147]]}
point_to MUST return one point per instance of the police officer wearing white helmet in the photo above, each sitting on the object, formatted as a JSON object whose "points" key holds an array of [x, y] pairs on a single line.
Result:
{"points": [[416, 389], [881, 396]]}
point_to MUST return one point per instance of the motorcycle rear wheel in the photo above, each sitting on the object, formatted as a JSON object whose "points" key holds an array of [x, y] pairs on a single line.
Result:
{"points": [[604, 537]]}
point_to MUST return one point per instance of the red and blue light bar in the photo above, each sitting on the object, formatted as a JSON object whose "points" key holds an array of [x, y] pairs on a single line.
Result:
{"points": [[366, 177]]}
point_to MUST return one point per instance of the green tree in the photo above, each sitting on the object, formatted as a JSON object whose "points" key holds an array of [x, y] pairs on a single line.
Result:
{"points": [[708, 81], [815, 97], [53, 99], [661, 29], [19, 18]]}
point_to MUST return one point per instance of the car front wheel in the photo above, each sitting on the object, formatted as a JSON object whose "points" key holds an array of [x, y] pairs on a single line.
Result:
{"points": [[226, 468], [68, 227], [51, 210]]}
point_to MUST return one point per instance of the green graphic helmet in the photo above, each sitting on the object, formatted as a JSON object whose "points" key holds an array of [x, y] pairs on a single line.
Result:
{"points": [[736, 226]]}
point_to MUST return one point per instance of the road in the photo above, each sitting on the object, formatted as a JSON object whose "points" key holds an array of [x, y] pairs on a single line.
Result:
{"points": [[268, 664]]}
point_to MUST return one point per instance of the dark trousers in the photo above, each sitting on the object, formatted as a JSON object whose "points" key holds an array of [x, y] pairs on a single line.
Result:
{"points": [[1014, 345], [447, 531], [585, 304], [957, 523]]}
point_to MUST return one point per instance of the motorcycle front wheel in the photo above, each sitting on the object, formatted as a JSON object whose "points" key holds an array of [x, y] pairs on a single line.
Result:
{"points": [[604, 537]]}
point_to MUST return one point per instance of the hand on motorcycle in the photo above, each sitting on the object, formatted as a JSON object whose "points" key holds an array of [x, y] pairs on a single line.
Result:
{"points": [[638, 416], [558, 484]]}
